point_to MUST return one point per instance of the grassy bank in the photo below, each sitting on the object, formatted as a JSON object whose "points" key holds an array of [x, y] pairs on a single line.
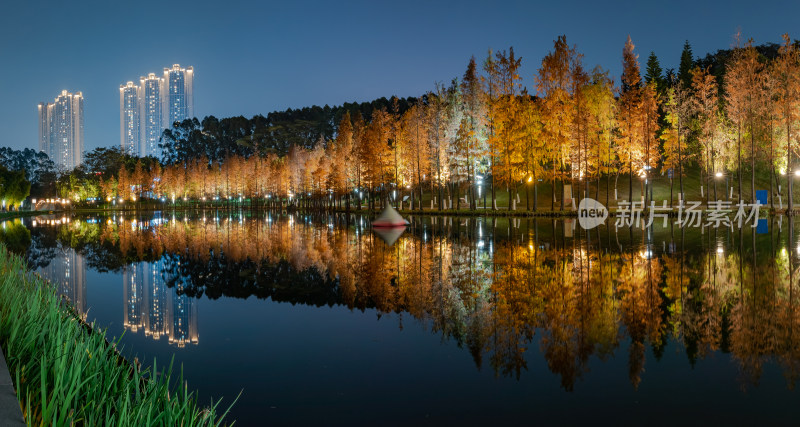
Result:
{"points": [[66, 373]]}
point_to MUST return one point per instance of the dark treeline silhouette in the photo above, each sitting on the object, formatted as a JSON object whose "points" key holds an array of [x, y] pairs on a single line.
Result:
{"points": [[718, 61], [218, 139]]}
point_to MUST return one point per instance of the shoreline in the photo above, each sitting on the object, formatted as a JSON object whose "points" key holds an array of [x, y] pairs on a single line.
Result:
{"points": [[489, 213], [65, 370]]}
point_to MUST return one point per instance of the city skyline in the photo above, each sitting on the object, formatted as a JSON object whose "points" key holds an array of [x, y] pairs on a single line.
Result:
{"points": [[152, 106], [277, 60]]}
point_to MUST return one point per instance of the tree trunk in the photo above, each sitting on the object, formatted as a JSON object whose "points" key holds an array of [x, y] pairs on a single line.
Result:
{"points": [[789, 172], [671, 186], [494, 196], [630, 181], [753, 166], [739, 158]]}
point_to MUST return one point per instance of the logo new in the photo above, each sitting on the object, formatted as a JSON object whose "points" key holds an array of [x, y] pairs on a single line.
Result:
{"points": [[591, 213]]}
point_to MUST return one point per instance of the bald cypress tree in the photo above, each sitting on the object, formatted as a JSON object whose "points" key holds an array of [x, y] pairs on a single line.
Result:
{"points": [[630, 100], [786, 72], [468, 145]]}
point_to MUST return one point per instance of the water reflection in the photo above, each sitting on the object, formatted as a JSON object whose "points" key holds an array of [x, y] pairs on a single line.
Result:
{"points": [[389, 235], [497, 287], [67, 271], [156, 309]]}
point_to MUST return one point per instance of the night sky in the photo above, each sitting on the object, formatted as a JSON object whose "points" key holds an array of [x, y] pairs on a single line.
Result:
{"points": [[255, 58]]}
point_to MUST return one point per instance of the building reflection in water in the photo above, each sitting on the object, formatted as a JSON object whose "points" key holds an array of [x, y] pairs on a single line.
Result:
{"points": [[496, 286], [154, 308], [67, 272]]}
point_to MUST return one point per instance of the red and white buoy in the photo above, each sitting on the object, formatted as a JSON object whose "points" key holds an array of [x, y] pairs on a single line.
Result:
{"points": [[389, 218]]}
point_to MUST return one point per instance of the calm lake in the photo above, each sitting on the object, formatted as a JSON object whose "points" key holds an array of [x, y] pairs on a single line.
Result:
{"points": [[316, 318]]}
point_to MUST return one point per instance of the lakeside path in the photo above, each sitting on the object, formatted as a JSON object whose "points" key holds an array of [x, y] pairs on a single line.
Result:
{"points": [[10, 412]]}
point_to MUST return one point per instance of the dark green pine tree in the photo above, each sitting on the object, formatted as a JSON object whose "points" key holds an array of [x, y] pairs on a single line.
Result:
{"points": [[687, 63], [654, 73]]}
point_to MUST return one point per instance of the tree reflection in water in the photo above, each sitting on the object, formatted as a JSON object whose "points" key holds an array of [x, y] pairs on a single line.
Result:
{"points": [[490, 285]]}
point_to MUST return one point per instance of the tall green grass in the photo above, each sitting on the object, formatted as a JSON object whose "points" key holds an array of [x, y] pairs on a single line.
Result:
{"points": [[66, 373]]}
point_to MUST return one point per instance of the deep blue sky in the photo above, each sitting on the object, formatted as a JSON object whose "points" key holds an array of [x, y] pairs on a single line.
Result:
{"points": [[252, 58]]}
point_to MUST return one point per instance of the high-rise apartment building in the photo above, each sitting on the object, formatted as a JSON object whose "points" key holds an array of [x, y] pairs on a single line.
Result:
{"points": [[129, 137], [150, 104], [159, 102], [61, 129], [178, 96]]}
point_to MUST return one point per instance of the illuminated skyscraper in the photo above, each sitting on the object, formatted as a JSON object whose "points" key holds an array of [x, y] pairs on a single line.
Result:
{"points": [[61, 129], [178, 94], [157, 102], [150, 110], [129, 118], [45, 143]]}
